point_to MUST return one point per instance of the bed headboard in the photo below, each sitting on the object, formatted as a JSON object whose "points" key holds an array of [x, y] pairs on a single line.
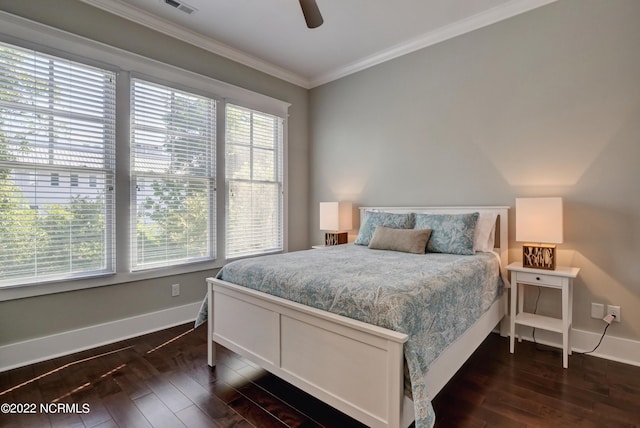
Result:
{"points": [[502, 222]]}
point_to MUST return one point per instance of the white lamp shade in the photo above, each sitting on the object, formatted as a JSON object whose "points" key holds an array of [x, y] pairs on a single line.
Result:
{"points": [[539, 220], [336, 216]]}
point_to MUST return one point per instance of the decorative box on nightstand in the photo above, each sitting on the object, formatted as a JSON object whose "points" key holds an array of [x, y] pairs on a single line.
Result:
{"points": [[335, 238], [562, 279]]}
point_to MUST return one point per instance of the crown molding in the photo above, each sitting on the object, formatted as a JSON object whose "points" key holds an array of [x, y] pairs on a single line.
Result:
{"points": [[148, 20], [466, 25], [482, 19]]}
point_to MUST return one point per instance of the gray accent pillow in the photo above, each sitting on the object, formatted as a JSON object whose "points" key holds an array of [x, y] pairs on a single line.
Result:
{"points": [[405, 240], [451, 233], [375, 218]]}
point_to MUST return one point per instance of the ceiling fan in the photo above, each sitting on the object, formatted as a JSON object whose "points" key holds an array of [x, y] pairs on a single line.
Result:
{"points": [[311, 13]]}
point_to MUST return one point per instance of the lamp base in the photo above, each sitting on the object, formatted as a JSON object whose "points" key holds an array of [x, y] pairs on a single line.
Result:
{"points": [[539, 256], [335, 238]]}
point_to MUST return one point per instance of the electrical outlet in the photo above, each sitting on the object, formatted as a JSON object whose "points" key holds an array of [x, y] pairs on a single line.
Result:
{"points": [[614, 310], [175, 290], [597, 310]]}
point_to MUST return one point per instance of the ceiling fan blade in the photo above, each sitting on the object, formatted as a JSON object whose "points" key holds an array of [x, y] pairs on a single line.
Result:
{"points": [[311, 13]]}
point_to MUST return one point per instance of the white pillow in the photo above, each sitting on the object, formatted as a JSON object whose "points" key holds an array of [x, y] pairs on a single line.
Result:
{"points": [[484, 235]]}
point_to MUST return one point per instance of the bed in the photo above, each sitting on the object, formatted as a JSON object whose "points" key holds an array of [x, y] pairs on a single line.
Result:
{"points": [[351, 354]]}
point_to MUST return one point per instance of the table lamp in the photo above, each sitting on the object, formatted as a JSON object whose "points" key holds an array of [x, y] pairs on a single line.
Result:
{"points": [[336, 218], [539, 225]]}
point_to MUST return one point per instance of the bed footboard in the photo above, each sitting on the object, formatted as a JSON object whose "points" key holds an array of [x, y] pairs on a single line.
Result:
{"points": [[353, 366]]}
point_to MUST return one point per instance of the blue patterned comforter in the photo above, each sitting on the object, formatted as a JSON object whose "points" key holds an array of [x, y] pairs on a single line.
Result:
{"points": [[433, 298]]}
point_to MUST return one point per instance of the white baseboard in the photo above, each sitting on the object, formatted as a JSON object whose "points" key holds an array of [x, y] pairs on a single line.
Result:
{"points": [[612, 348], [44, 348]]}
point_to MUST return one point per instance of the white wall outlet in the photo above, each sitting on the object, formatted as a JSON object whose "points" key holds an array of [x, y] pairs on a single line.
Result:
{"points": [[597, 310], [175, 290], [614, 310]]}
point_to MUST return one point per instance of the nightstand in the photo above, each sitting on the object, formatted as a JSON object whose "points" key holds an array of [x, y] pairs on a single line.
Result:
{"points": [[321, 246], [562, 279]]}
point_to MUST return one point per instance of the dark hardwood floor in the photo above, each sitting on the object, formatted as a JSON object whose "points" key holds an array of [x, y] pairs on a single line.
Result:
{"points": [[162, 380]]}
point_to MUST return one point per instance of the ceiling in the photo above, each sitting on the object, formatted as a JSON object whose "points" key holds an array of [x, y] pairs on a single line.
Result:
{"points": [[271, 35]]}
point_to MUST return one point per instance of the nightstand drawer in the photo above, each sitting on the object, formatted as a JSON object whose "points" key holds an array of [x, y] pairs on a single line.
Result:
{"points": [[539, 278]]}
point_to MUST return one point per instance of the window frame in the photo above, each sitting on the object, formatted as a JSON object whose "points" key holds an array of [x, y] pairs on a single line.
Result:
{"points": [[68, 124], [32, 35], [278, 179], [211, 183]]}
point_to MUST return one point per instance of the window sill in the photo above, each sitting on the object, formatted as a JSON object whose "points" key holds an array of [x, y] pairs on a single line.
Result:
{"points": [[32, 290]]}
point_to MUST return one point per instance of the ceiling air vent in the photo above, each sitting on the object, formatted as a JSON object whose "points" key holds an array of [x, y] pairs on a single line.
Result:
{"points": [[181, 6]]}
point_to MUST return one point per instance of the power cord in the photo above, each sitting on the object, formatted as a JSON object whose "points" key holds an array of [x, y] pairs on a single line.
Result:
{"points": [[533, 333], [608, 319], [535, 310]]}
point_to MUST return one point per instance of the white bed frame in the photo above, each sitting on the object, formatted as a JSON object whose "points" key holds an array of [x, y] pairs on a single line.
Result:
{"points": [[353, 366]]}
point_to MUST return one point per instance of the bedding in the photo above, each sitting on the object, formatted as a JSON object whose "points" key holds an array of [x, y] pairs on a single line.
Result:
{"points": [[484, 235], [375, 218], [433, 297], [405, 240], [451, 233]]}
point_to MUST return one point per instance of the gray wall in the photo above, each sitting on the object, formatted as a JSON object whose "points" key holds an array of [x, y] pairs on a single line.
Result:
{"points": [[40, 316], [544, 104]]}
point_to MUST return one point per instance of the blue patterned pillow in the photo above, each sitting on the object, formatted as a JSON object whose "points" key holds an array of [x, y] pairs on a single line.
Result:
{"points": [[373, 219], [451, 233]]}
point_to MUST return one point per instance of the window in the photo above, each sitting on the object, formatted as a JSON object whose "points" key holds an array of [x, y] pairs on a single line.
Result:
{"points": [[57, 119], [173, 176], [254, 176]]}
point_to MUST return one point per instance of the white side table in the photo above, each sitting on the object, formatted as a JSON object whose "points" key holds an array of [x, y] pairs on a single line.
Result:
{"points": [[561, 278], [321, 246]]}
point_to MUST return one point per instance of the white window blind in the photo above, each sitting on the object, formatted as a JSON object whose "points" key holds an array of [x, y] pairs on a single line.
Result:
{"points": [[254, 175], [57, 129], [173, 176]]}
